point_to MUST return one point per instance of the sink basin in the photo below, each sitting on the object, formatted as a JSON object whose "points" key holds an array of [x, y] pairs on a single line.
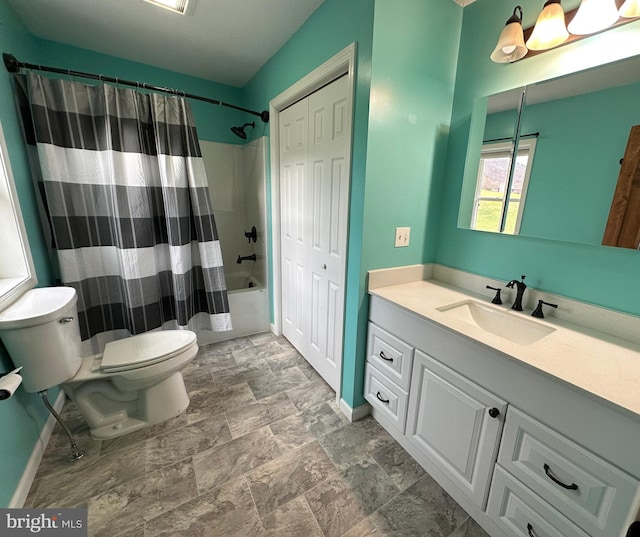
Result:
{"points": [[502, 323]]}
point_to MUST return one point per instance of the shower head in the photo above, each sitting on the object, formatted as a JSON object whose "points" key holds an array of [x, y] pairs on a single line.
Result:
{"points": [[239, 131]]}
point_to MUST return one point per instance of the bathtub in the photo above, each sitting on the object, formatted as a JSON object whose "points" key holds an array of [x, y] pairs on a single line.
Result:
{"points": [[249, 308]]}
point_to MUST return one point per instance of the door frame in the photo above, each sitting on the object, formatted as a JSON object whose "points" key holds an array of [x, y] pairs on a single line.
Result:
{"points": [[340, 64]]}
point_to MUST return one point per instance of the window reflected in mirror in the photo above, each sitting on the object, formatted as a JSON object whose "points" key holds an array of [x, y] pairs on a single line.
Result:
{"points": [[499, 203]]}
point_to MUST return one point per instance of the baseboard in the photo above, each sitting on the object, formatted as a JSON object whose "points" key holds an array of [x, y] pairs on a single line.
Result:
{"points": [[354, 414], [22, 491], [274, 329]]}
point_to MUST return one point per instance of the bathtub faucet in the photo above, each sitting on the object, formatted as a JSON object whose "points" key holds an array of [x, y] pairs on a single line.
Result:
{"points": [[241, 258]]}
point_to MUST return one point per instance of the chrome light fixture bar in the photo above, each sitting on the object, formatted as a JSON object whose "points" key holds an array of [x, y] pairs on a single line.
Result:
{"points": [[554, 28]]}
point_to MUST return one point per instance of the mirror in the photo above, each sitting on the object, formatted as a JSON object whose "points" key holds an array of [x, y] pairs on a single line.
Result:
{"points": [[580, 123]]}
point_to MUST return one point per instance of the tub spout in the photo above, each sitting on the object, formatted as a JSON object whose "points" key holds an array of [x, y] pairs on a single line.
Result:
{"points": [[241, 258]]}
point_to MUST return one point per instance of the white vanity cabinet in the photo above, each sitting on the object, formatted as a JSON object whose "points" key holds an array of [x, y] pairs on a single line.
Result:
{"points": [[523, 453], [455, 424]]}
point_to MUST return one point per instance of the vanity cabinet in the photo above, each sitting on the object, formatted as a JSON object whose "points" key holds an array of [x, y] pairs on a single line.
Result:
{"points": [[523, 453], [454, 423]]}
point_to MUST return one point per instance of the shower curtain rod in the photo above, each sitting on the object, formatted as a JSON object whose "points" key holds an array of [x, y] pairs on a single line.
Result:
{"points": [[14, 66]]}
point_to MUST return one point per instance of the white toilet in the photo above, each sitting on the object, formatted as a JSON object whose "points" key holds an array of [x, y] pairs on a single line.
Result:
{"points": [[136, 382]]}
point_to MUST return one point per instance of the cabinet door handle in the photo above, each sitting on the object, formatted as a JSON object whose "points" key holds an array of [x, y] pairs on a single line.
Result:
{"points": [[386, 401], [573, 486], [494, 412], [530, 530], [382, 355]]}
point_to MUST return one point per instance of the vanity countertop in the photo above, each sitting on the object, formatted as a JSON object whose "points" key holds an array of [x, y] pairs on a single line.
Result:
{"points": [[603, 365]]}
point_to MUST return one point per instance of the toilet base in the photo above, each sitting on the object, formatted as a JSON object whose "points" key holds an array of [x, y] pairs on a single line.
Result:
{"points": [[156, 404]]}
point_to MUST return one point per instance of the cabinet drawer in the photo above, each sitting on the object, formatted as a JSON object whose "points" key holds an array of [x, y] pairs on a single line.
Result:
{"points": [[385, 397], [594, 494], [390, 355], [520, 513]]}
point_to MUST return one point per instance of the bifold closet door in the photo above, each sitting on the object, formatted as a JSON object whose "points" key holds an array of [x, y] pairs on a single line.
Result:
{"points": [[314, 198]]}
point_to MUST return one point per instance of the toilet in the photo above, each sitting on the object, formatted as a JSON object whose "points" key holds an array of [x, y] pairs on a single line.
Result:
{"points": [[134, 383]]}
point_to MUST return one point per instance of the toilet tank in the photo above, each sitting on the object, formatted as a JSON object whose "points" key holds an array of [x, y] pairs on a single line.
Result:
{"points": [[41, 332]]}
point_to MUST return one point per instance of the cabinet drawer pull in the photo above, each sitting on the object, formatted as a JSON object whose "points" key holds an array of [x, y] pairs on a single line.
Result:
{"points": [[65, 320], [382, 355], [530, 530], [386, 401], [494, 412], [573, 486]]}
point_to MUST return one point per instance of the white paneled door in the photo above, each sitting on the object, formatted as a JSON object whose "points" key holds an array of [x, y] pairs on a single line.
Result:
{"points": [[314, 207]]}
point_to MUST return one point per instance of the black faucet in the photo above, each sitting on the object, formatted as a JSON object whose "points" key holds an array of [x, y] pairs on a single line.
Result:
{"points": [[538, 311], [252, 235], [241, 258], [496, 299], [520, 287]]}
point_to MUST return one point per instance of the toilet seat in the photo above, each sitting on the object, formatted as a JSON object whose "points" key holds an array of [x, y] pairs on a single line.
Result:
{"points": [[145, 349]]}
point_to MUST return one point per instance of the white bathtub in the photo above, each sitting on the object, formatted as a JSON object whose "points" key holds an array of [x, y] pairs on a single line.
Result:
{"points": [[249, 307]]}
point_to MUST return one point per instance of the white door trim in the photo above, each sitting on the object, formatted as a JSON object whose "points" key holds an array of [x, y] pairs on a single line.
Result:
{"points": [[341, 63]]}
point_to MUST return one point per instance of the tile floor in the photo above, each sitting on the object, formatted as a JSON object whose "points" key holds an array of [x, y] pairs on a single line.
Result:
{"points": [[261, 451]]}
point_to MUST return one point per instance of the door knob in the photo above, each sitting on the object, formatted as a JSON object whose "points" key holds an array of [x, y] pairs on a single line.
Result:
{"points": [[494, 412]]}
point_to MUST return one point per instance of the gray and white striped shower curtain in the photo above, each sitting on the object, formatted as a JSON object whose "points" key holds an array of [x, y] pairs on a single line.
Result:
{"points": [[126, 198]]}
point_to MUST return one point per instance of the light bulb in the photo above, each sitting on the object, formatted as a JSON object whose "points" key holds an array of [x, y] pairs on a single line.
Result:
{"points": [[550, 29], [630, 9], [511, 47], [593, 16]]}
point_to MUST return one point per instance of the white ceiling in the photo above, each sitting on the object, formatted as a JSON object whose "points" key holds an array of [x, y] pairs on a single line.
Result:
{"points": [[226, 41]]}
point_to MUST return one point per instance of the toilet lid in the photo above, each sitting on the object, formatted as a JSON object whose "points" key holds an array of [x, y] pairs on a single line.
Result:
{"points": [[145, 349]]}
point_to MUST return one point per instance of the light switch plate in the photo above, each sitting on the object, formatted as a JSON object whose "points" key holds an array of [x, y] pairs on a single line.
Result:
{"points": [[402, 237]]}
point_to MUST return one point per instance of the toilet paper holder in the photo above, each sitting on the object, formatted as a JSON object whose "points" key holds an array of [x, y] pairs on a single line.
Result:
{"points": [[16, 370], [9, 383]]}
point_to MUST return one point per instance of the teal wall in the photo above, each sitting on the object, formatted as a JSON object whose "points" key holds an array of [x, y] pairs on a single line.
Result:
{"points": [[604, 276], [415, 45], [22, 416]]}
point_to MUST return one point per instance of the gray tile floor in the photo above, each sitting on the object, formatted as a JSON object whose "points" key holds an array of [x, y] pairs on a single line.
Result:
{"points": [[261, 451]]}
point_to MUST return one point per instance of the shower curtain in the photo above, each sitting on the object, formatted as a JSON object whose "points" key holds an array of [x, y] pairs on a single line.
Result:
{"points": [[126, 199]]}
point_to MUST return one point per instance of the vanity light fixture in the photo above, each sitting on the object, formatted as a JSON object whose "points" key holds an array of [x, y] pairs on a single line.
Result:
{"points": [[550, 29], [511, 47], [630, 9], [594, 16]]}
